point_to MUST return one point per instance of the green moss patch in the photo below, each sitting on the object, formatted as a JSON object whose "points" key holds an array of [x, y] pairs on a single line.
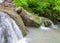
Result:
{"points": [[47, 23]]}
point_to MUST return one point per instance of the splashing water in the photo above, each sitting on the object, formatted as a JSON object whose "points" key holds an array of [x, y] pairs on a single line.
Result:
{"points": [[47, 28], [9, 31]]}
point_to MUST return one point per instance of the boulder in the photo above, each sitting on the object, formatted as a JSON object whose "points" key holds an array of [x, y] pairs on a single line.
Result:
{"points": [[16, 17], [29, 19], [47, 22]]}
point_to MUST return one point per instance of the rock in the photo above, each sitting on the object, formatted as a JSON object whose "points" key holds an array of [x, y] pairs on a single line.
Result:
{"points": [[16, 17], [28, 18], [46, 21], [9, 1]]}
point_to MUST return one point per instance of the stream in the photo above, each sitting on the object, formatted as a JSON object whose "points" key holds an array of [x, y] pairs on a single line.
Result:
{"points": [[38, 35], [10, 32]]}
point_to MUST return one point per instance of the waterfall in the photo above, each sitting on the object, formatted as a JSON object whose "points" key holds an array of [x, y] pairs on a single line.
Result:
{"points": [[9, 30]]}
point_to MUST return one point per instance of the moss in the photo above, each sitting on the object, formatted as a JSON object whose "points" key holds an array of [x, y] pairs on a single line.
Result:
{"points": [[47, 23], [24, 33], [38, 20], [29, 19]]}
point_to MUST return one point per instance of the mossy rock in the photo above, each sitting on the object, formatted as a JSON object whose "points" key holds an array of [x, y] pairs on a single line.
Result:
{"points": [[37, 20], [47, 23], [32, 21], [29, 19]]}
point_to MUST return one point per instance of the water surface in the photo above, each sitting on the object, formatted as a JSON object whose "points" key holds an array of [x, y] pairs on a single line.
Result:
{"points": [[44, 36]]}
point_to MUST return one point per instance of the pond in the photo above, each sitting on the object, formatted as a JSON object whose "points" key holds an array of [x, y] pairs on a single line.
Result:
{"points": [[44, 36]]}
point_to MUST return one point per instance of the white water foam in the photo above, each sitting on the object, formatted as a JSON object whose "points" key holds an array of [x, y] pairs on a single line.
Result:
{"points": [[52, 26], [9, 30]]}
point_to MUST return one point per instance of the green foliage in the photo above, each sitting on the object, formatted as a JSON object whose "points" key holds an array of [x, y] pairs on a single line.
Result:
{"points": [[57, 5], [46, 8], [22, 3]]}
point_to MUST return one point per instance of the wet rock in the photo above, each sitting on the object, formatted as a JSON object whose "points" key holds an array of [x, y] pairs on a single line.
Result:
{"points": [[16, 17], [28, 18], [46, 21]]}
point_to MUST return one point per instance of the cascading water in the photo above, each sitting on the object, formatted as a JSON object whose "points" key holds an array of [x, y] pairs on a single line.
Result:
{"points": [[49, 27], [9, 31]]}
